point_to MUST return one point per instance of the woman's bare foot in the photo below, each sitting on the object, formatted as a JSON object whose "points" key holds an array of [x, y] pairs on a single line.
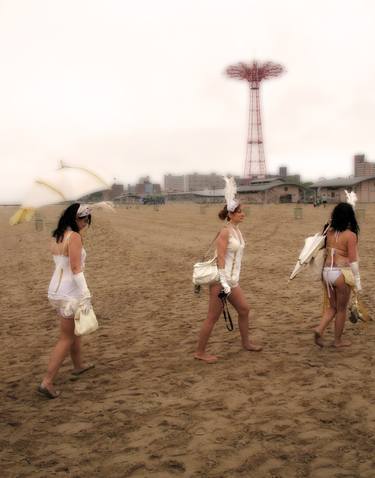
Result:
{"points": [[341, 343], [318, 339], [251, 347], [206, 357]]}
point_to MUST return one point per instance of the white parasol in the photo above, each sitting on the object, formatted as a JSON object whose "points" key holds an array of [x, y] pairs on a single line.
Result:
{"points": [[312, 246], [68, 183]]}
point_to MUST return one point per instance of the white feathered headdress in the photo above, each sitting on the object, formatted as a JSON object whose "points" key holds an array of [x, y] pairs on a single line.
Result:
{"points": [[86, 209], [351, 198], [230, 193]]}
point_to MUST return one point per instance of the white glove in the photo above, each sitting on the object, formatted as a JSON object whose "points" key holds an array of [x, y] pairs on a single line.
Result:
{"points": [[357, 278], [223, 281], [84, 293], [85, 305]]}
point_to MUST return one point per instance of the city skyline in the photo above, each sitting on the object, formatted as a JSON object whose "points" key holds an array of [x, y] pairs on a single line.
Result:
{"points": [[134, 89]]}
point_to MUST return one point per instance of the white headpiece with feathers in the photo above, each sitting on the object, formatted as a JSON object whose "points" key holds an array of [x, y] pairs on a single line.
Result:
{"points": [[351, 198], [86, 209], [230, 193]]}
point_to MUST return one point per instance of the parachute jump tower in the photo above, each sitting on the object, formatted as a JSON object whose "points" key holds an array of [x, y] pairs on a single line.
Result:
{"points": [[254, 73]]}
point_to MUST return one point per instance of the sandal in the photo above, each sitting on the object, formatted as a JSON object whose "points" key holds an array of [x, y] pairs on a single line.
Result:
{"points": [[83, 370], [48, 393]]}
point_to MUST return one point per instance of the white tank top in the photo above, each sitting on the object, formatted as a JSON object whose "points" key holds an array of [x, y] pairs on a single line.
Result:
{"points": [[233, 255], [62, 285]]}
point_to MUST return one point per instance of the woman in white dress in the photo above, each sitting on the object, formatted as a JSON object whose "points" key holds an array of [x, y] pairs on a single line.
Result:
{"points": [[229, 250], [67, 291]]}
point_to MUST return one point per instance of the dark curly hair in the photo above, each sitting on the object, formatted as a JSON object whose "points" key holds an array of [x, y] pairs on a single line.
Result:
{"points": [[343, 217], [67, 219], [224, 213]]}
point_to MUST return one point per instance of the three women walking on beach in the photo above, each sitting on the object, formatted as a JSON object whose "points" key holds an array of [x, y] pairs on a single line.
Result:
{"points": [[68, 289]]}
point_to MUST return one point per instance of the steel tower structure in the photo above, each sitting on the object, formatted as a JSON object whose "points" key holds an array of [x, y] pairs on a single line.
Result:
{"points": [[254, 73]]}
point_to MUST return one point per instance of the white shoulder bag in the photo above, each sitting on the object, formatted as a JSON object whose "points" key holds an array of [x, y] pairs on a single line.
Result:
{"points": [[85, 324], [206, 272]]}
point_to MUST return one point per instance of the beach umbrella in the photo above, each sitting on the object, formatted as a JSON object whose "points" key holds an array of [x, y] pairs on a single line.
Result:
{"points": [[68, 183], [311, 248]]}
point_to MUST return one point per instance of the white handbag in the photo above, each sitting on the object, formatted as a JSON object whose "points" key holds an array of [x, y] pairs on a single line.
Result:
{"points": [[205, 272], [85, 323]]}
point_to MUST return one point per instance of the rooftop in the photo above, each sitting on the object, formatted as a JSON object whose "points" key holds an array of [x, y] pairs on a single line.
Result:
{"points": [[340, 182]]}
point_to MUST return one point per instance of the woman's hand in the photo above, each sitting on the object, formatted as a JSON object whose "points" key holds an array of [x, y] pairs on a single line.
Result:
{"points": [[223, 281]]}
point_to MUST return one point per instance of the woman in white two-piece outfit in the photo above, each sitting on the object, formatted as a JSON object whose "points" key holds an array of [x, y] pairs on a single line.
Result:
{"points": [[340, 272], [67, 291], [229, 250]]}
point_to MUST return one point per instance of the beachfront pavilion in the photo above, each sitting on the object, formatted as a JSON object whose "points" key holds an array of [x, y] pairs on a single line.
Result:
{"points": [[333, 190], [272, 191], [266, 191]]}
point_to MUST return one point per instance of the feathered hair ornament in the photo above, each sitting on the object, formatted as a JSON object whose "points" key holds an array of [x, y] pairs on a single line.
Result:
{"points": [[351, 198], [230, 191], [86, 209]]}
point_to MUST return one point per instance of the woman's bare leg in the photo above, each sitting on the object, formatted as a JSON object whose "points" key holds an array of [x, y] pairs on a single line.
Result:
{"points": [[75, 353], [215, 308], [60, 351], [238, 300], [342, 299], [328, 315], [76, 356]]}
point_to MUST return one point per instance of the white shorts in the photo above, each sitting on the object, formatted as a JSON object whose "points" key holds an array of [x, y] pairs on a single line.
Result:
{"points": [[330, 275]]}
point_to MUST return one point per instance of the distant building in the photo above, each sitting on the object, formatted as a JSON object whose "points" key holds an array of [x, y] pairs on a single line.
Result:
{"points": [[260, 191], [272, 191], [197, 182], [283, 175], [363, 168], [333, 190], [145, 187], [116, 190], [173, 183], [192, 182]]}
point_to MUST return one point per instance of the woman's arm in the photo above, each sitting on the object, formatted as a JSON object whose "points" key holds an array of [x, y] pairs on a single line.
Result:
{"points": [[75, 251], [353, 259], [221, 247], [352, 247]]}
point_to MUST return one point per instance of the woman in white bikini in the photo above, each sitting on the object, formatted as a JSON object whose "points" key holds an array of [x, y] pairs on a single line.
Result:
{"points": [[67, 290], [229, 250], [340, 272]]}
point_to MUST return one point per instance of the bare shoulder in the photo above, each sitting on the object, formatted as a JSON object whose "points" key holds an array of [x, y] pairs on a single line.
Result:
{"points": [[75, 238], [350, 235], [224, 233]]}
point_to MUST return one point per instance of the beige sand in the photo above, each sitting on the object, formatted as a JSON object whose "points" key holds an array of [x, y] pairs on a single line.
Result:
{"points": [[149, 409]]}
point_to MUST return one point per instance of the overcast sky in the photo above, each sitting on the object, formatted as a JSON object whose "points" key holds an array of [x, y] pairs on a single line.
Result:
{"points": [[137, 88]]}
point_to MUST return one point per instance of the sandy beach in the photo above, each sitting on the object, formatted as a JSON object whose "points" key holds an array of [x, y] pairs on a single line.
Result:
{"points": [[148, 409]]}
